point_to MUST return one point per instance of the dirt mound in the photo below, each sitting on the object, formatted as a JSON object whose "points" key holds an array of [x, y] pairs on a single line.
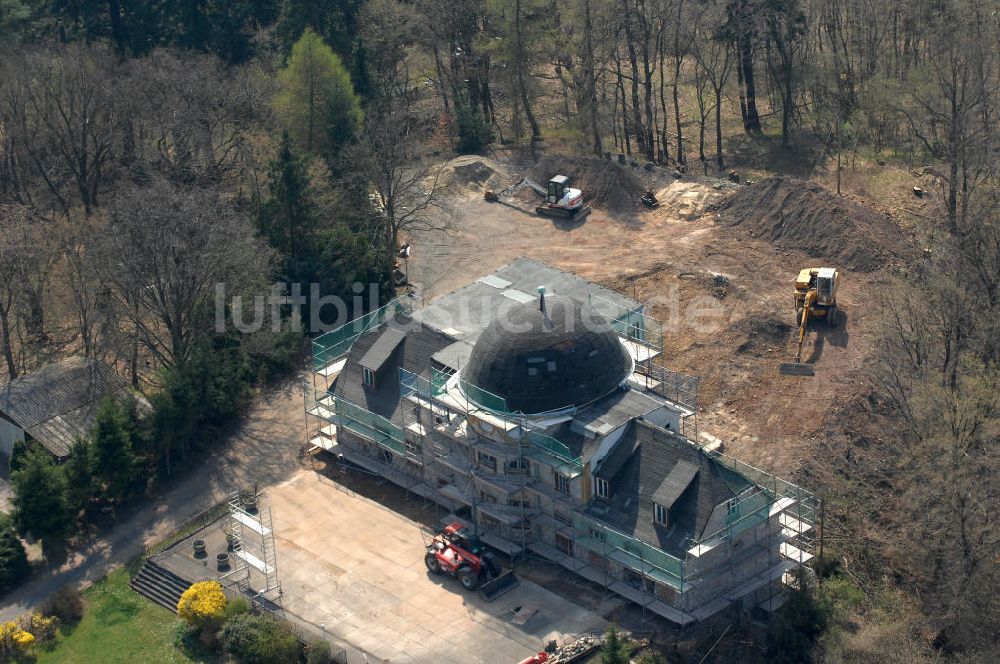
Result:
{"points": [[761, 335], [475, 172], [604, 183], [802, 215]]}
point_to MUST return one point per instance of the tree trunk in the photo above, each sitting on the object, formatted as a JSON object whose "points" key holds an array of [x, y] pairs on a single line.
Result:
{"points": [[536, 132], [590, 83], [8, 349], [621, 92], [718, 129], [751, 121]]}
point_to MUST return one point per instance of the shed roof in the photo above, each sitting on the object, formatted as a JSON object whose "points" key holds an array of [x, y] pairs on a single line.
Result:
{"points": [[58, 403]]}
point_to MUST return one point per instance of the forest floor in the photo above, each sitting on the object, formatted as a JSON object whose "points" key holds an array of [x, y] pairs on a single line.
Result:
{"points": [[720, 281]]}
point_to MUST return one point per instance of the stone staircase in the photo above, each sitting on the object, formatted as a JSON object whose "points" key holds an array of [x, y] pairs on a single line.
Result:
{"points": [[161, 586]]}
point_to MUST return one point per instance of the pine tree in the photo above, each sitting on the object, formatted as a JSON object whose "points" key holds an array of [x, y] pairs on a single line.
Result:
{"points": [[14, 566], [39, 500], [289, 217], [114, 462], [616, 648], [79, 470]]}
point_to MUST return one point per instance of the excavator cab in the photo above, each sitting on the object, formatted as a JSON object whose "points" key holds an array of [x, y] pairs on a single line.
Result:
{"points": [[557, 189], [826, 286]]}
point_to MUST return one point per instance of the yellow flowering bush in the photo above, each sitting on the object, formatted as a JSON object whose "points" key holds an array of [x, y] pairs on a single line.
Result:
{"points": [[203, 604], [42, 628], [13, 639]]}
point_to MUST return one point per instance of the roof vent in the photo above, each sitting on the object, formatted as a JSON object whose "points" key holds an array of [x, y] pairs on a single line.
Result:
{"points": [[541, 298]]}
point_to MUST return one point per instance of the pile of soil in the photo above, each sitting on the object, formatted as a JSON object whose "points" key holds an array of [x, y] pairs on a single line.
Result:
{"points": [[603, 182], [475, 173], [803, 215], [761, 335]]}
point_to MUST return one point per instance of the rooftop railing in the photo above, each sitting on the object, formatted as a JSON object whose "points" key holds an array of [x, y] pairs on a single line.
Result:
{"points": [[329, 347]]}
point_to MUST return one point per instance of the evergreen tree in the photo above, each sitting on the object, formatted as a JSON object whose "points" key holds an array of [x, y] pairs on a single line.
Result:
{"points": [[79, 470], [288, 217], [14, 567], [616, 648], [317, 102], [39, 498], [333, 20], [793, 632], [114, 462], [360, 75]]}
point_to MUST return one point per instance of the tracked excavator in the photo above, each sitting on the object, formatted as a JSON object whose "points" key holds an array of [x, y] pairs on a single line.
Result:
{"points": [[815, 297], [560, 199]]}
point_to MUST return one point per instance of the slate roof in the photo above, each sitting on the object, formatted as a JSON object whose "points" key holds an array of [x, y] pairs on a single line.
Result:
{"points": [[413, 353], [618, 408], [466, 312], [58, 404], [382, 349], [664, 467], [545, 360]]}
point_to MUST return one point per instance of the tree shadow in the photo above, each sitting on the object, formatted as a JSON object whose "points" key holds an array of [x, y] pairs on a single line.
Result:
{"points": [[768, 153]]}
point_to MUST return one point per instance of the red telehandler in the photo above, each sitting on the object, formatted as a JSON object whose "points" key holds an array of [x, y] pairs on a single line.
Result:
{"points": [[459, 553]]}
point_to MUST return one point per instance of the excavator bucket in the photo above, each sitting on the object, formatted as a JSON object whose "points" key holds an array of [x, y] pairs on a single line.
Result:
{"points": [[796, 369], [499, 585]]}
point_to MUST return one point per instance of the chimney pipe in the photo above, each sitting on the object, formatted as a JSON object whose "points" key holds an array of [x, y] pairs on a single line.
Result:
{"points": [[541, 298]]}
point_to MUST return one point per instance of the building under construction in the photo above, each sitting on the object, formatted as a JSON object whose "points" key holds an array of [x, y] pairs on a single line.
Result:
{"points": [[534, 404]]}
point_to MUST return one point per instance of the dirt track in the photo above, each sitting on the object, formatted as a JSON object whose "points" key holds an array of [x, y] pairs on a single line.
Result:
{"points": [[724, 299]]}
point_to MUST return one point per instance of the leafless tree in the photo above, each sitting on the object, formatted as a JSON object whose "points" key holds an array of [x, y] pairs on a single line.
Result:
{"points": [[406, 191], [163, 252], [59, 109], [23, 253]]}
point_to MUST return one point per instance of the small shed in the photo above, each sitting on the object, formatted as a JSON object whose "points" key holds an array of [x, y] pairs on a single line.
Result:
{"points": [[57, 404]]}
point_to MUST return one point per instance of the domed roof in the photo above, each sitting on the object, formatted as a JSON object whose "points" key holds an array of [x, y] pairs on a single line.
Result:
{"points": [[539, 361]]}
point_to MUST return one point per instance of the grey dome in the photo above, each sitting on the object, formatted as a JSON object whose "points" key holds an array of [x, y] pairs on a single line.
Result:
{"points": [[543, 361]]}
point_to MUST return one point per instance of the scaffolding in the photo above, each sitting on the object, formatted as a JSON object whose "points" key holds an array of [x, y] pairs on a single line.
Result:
{"points": [[255, 560], [442, 458], [331, 346]]}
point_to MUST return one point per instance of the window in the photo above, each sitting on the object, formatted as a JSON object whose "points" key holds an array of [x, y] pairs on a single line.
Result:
{"points": [[518, 502], [602, 488], [488, 462], [487, 498], [412, 447], [731, 504], [519, 466], [597, 534], [561, 483], [368, 376], [659, 514], [562, 517]]}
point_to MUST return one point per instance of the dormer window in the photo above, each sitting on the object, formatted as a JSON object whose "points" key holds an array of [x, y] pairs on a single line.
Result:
{"points": [[368, 377], [660, 514], [602, 488]]}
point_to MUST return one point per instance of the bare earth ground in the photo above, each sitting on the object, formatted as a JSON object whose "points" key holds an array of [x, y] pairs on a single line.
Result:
{"points": [[732, 331]]}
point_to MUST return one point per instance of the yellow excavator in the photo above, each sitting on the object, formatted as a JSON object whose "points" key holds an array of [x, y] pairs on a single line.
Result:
{"points": [[815, 297]]}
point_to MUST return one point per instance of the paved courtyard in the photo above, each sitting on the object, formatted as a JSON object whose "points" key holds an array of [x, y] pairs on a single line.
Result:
{"points": [[355, 567]]}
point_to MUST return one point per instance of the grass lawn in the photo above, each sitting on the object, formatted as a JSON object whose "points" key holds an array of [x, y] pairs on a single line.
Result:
{"points": [[118, 626]]}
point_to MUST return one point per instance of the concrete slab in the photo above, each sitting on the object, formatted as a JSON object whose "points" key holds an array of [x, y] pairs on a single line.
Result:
{"points": [[356, 567]]}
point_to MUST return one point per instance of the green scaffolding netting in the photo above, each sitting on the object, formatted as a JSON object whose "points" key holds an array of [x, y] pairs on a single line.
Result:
{"points": [[368, 424], [331, 346], [634, 553]]}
